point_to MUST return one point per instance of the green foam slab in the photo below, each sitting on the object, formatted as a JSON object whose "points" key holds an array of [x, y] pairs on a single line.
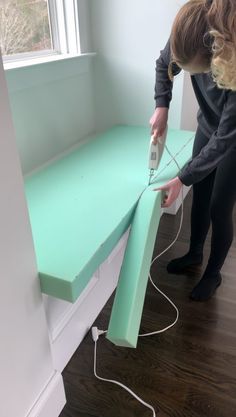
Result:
{"points": [[81, 205], [128, 304]]}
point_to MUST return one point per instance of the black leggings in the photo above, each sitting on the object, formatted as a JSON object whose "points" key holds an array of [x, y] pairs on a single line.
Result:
{"points": [[213, 202]]}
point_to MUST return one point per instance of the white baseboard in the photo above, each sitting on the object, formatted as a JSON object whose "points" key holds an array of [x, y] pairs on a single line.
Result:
{"points": [[51, 400], [68, 323]]}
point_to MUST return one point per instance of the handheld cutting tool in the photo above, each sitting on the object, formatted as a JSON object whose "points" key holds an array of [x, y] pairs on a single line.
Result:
{"points": [[155, 153]]}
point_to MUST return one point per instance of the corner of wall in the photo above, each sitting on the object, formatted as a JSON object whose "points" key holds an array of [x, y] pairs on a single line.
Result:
{"points": [[189, 106]]}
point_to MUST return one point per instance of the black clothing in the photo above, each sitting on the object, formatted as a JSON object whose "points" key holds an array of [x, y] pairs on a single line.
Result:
{"points": [[213, 201], [212, 171], [216, 118]]}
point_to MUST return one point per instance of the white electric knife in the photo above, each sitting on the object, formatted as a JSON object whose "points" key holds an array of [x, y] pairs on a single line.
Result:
{"points": [[155, 153]]}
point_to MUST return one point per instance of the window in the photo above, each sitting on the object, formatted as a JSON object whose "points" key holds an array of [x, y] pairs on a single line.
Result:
{"points": [[32, 28]]}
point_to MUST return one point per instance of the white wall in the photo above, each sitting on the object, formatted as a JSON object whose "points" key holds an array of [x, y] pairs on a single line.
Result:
{"points": [[128, 37], [84, 26], [190, 106], [52, 107], [26, 369]]}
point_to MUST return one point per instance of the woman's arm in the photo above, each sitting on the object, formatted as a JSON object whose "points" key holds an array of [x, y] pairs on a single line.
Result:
{"points": [[219, 145], [163, 93], [163, 85], [163, 96]]}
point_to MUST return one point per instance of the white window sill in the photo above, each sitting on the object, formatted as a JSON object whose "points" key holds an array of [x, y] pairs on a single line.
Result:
{"points": [[8, 65]]}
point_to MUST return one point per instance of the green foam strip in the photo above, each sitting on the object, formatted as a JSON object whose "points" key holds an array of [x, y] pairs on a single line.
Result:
{"points": [[128, 304], [127, 308], [81, 205]]}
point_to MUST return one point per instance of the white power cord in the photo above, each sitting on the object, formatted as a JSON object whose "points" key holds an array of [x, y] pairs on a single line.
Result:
{"points": [[162, 253], [96, 332], [119, 383]]}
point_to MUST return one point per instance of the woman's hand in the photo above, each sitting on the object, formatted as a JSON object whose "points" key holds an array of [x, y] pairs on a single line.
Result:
{"points": [[172, 188], [158, 122]]}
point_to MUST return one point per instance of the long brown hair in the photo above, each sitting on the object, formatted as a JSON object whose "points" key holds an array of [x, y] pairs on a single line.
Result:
{"points": [[207, 29]]}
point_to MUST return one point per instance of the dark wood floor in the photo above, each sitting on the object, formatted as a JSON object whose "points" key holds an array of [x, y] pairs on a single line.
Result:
{"points": [[189, 371]]}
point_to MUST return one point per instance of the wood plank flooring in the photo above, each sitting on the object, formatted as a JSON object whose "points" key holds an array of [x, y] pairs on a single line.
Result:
{"points": [[189, 371]]}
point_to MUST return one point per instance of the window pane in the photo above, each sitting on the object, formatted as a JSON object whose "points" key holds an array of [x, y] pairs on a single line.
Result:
{"points": [[24, 26]]}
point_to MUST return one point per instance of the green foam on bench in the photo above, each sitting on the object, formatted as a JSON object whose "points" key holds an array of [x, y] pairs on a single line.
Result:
{"points": [[128, 304], [81, 205]]}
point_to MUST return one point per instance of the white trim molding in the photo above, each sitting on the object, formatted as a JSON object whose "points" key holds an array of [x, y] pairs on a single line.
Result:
{"points": [[51, 400], [69, 323]]}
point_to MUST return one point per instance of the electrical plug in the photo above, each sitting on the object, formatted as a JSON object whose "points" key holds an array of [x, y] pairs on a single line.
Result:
{"points": [[96, 333]]}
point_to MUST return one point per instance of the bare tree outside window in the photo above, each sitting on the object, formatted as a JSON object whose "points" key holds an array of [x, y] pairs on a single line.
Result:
{"points": [[24, 26]]}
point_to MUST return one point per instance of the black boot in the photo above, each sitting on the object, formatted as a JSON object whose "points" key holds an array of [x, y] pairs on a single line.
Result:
{"points": [[206, 286], [179, 265]]}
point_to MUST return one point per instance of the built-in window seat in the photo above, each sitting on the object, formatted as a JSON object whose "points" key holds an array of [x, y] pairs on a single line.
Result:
{"points": [[82, 204]]}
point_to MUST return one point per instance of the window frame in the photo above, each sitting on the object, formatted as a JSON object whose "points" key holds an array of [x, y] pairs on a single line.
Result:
{"points": [[64, 31]]}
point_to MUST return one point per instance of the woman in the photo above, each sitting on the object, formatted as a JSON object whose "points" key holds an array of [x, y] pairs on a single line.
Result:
{"points": [[203, 42]]}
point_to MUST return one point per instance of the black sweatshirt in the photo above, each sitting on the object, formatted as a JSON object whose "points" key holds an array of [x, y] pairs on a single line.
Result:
{"points": [[216, 117]]}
